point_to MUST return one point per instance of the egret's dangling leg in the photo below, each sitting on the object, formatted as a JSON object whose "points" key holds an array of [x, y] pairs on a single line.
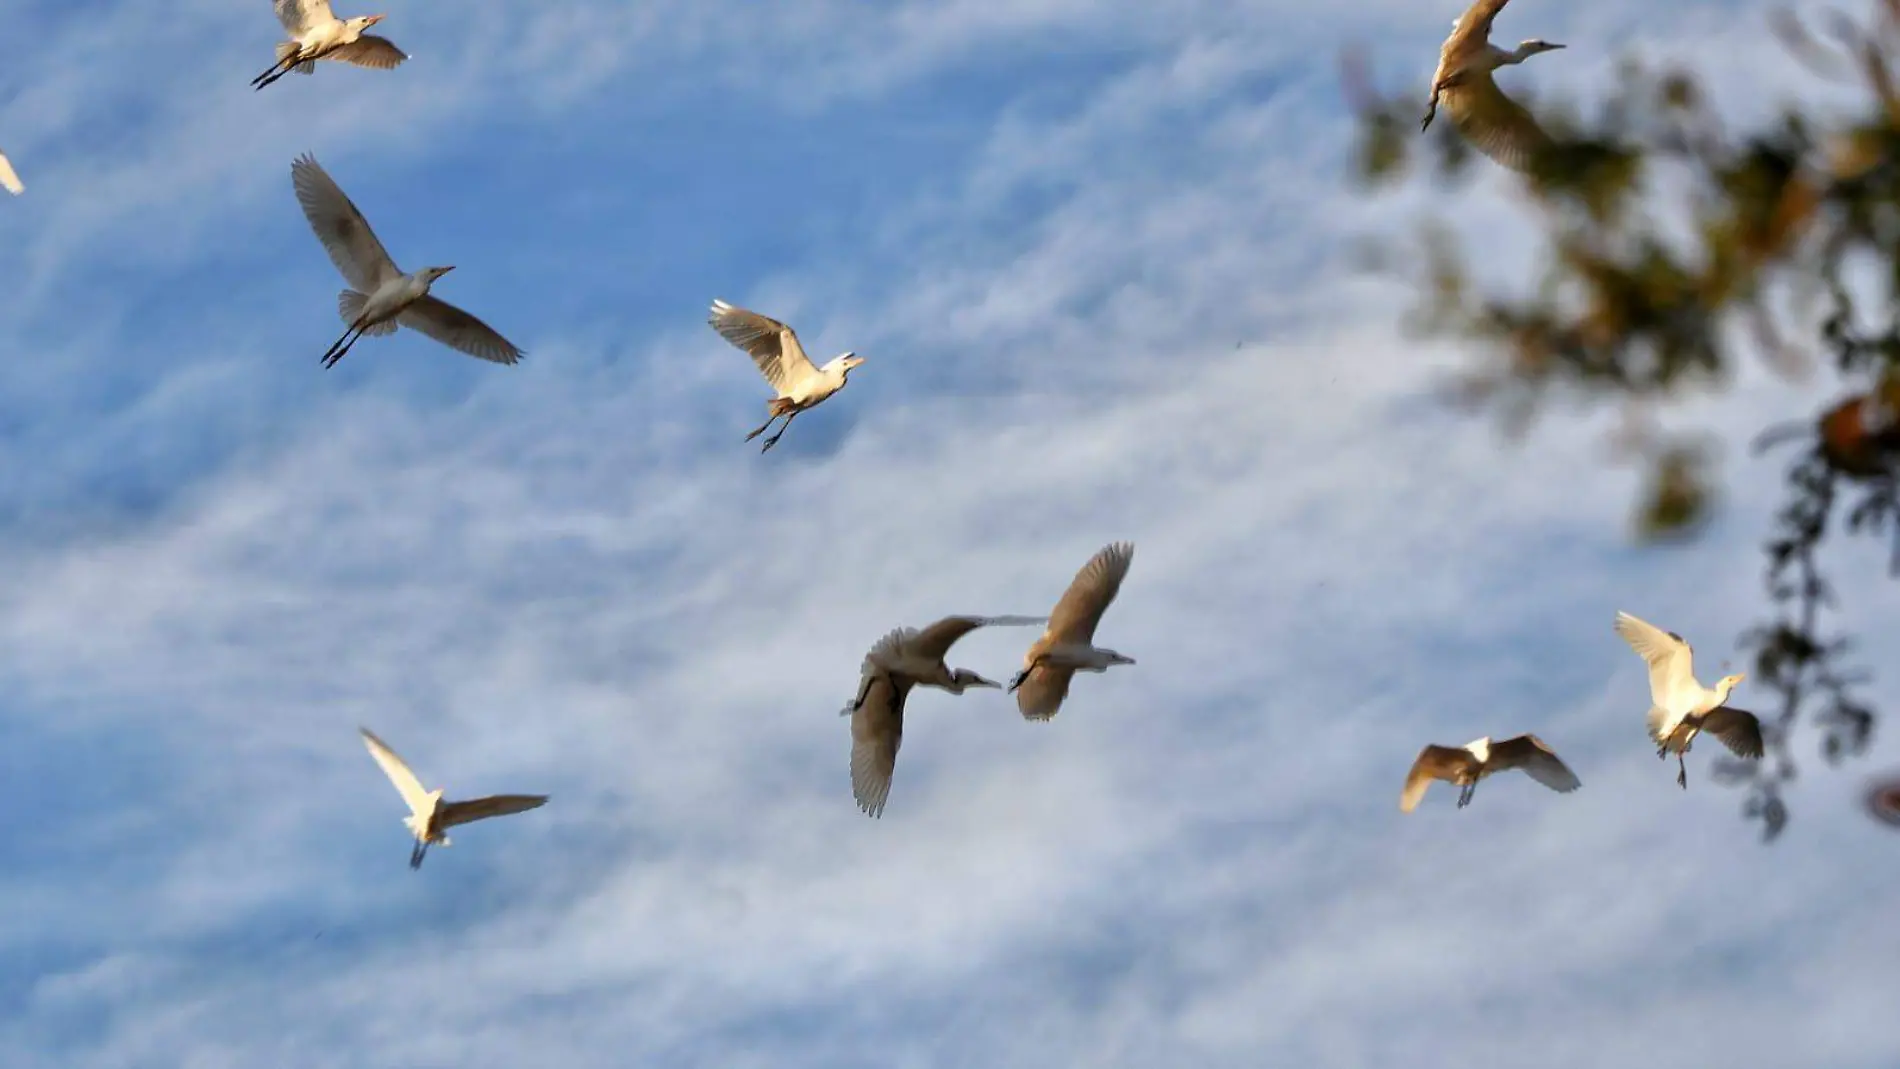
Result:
{"points": [[342, 345], [416, 852], [772, 441]]}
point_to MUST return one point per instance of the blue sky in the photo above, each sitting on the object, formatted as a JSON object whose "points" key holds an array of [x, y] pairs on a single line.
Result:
{"points": [[1097, 256]]}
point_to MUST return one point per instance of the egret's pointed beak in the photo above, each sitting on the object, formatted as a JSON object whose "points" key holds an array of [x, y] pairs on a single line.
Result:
{"points": [[371, 20], [1119, 659], [979, 681]]}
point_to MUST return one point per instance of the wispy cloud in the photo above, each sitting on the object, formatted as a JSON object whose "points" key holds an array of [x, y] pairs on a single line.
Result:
{"points": [[1123, 312]]}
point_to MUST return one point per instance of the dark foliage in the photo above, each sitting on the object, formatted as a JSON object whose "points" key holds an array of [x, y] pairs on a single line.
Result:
{"points": [[1791, 257]]}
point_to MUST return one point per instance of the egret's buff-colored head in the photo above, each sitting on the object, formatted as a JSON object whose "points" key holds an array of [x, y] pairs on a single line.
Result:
{"points": [[1728, 683]]}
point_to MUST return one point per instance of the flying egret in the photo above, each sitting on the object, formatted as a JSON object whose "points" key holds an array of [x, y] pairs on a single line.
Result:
{"points": [[316, 33], [1465, 765], [1683, 708], [1493, 123], [9, 179], [774, 347], [383, 297], [429, 816], [903, 659], [1067, 645]]}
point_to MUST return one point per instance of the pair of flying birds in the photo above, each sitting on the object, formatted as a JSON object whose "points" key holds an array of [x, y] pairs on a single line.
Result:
{"points": [[382, 297], [1680, 709]]}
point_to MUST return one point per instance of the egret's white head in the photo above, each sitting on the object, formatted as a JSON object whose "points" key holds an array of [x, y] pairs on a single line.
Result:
{"points": [[1727, 683], [430, 274], [848, 361], [1536, 45], [964, 679], [363, 22]]}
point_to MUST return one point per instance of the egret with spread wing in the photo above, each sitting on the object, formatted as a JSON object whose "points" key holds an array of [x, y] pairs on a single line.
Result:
{"points": [[1681, 708], [775, 349], [903, 659], [382, 297], [1067, 645], [1493, 123], [316, 33], [429, 816], [1465, 765]]}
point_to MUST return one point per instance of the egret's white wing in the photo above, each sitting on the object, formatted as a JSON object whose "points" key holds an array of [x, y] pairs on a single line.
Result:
{"points": [[406, 783], [9, 180], [369, 50], [299, 16], [1493, 123], [1738, 729], [1094, 586], [345, 234], [1043, 691], [877, 730], [772, 345], [1539, 761], [458, 330], [495, 805], [935, 641], [1433, 762], [1672, 684], [1474, 26]]}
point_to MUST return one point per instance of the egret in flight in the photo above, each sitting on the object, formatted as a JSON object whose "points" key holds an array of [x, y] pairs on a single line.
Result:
{"points": [[1464, 766], [9, 179], [903, 659], [316, 33], [382, 296], [1682, 708], [429, 816], [1493, 123], [775, 349], [1067, 645]]}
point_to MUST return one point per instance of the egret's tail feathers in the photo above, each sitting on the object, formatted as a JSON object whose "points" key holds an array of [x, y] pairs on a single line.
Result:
{"points": [[349, 305], [1659, 724], [285, 50], [308, 66]]}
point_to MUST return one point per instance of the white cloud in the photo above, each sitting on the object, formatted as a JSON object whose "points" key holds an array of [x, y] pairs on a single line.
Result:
{"points": [[574, 578]]}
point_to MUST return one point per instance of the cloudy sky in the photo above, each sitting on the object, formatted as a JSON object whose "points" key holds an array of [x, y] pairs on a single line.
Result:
{"points": [[1098, 256]]}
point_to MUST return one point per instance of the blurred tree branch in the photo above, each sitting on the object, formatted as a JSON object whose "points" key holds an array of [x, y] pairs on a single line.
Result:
{"points": [[1790, 255]]}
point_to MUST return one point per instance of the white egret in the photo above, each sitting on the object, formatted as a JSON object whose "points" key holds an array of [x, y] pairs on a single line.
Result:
{"points": [[383, 297], [316, 33], [903, 659], [9, 178], [429, 816], [1464, 766], [775, 349], [1493, 123], [1067, 645], [1682, 708]]}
